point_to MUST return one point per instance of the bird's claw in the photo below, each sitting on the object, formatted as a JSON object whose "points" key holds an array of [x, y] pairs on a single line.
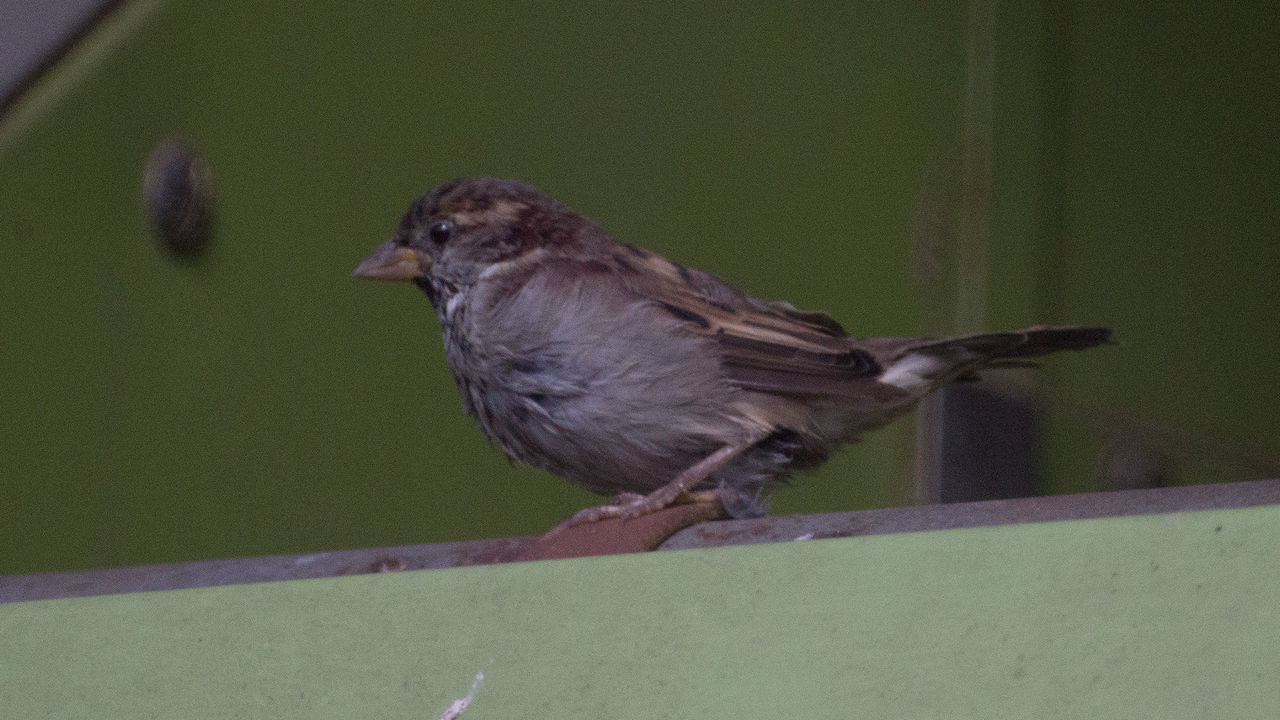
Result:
{"points": [[629, 506]]}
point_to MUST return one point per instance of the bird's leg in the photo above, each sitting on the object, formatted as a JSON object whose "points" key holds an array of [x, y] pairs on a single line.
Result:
{"points": [[631, 505], [689, 497], [625, 498], [670, 493]]}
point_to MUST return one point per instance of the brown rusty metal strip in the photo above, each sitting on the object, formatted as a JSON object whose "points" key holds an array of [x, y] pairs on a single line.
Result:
{"points": [[17, 588], [234, 571]]}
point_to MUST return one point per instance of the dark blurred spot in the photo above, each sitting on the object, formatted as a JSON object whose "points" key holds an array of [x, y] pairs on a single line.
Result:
{"points": [[177, 190], [1132, 463]]}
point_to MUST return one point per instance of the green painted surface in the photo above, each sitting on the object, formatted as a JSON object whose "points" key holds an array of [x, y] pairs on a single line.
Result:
{"points": [[263, 402], [1170, 616]]}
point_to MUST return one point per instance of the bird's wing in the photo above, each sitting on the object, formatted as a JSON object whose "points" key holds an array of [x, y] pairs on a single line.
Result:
{"points": [[767, 347]]}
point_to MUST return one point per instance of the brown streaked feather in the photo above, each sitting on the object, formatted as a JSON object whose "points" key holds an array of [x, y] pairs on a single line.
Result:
{"points": [[766, 347], [811, 317]]}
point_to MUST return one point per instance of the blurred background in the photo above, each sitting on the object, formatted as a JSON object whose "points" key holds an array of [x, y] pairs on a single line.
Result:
{"points": [[196, 375]]}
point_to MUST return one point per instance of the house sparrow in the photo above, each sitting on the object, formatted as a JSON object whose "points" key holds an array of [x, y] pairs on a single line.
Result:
{"points": [[632, 375]]}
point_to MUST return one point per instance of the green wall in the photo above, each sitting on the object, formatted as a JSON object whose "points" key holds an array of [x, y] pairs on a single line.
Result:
{"points": [[262, 401]]}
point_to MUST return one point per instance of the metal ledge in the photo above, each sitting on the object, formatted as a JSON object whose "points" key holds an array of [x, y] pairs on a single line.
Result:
{"points": [[42, 586]]}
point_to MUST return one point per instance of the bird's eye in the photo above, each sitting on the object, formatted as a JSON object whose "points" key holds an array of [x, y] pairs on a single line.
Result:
{"points": [[440, 231]]}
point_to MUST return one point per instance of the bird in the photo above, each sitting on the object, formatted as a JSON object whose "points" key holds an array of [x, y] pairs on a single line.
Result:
{"points": [[642, 379]]}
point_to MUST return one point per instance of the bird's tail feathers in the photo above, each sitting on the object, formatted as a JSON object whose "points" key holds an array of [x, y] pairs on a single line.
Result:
{"points": [[1025, 343], [922, 365]]}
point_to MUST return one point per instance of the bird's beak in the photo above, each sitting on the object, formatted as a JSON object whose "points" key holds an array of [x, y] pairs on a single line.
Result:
{"points": [[393, 261]]}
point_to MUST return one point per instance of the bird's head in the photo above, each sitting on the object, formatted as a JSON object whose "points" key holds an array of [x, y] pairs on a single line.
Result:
{"points": [[460, 229]]}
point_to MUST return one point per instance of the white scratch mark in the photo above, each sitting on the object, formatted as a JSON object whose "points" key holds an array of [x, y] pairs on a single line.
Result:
{"points": [[455, 710]]}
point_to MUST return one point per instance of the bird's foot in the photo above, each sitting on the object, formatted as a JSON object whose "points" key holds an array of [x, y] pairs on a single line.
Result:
{"points": [[602, 531], [628, 506]]}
